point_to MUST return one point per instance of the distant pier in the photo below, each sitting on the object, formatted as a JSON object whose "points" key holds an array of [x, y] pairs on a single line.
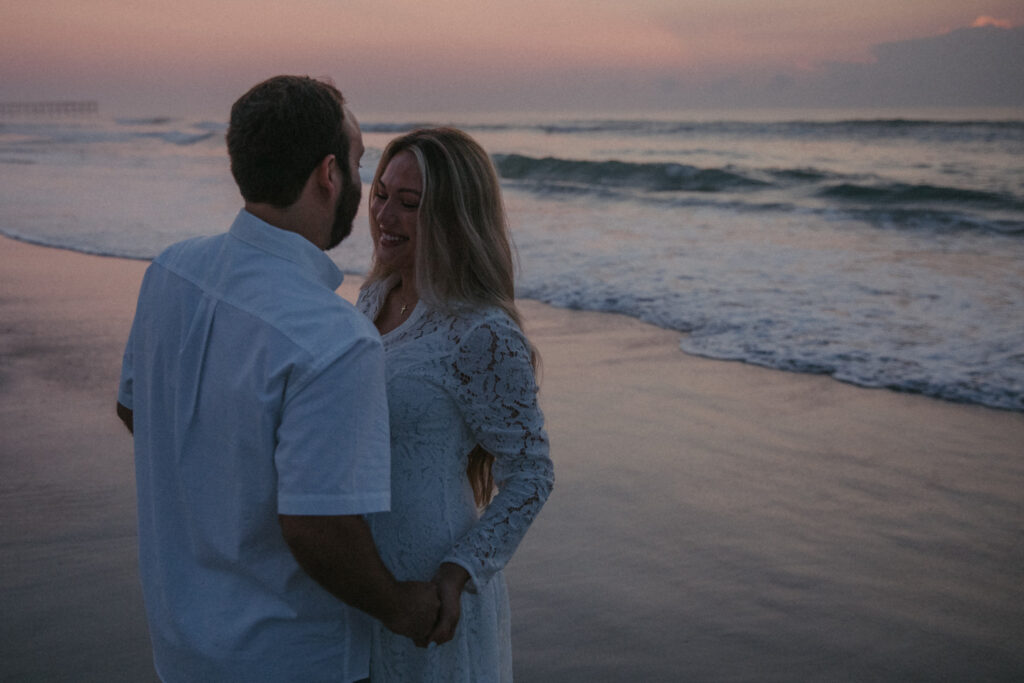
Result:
{"points": [[80, 108]]}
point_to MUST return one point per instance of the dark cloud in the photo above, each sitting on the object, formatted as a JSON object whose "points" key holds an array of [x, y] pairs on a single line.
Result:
{"points": [[981, 67], [969, 66]]}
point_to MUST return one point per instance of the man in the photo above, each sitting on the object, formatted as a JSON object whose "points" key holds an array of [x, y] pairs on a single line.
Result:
{"points": [[256, 398]]}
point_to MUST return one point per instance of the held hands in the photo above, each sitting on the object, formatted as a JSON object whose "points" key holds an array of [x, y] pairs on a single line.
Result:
{"points": [[417, 613], [429, 612]]}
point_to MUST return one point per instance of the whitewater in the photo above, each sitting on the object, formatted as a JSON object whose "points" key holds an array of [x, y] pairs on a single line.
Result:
{"points": [[884, 251]]}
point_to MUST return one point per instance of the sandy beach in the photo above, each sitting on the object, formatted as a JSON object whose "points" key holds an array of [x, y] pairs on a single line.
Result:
{"points": [[711, 521]]}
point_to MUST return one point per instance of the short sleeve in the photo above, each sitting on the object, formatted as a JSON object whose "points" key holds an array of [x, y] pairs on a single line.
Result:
{"points": [[333, 449], [494, 384]]}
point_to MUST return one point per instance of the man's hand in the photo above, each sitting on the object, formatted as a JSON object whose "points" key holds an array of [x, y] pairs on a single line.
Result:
{"points": [[417, 612], [127, 416], [450, 580], [339, 554]]}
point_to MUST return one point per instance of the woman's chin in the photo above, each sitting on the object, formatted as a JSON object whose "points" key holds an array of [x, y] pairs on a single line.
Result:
{"points": [[394, 257]]}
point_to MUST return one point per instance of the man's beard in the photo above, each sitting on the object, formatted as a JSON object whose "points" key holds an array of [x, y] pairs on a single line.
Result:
{"points": [[345, 213]]}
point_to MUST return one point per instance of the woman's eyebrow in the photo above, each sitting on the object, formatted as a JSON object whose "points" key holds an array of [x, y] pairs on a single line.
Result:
{"points": [[383, 185]]}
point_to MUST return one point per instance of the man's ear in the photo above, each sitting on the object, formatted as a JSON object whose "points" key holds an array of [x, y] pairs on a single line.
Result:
{"points": [[328, 175]]}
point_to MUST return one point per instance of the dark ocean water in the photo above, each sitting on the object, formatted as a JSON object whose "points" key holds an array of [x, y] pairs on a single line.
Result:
{"points": [[886, 252]]}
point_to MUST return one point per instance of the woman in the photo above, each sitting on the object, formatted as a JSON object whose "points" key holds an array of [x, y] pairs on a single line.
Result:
{"points": [[462, 398]]}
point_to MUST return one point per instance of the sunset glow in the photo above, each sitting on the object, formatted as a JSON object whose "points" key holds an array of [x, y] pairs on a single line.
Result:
{"points": [[991, 21], [149, 55]]}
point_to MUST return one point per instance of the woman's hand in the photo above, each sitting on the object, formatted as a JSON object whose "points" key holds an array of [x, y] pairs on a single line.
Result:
{"points": [[450, 580]]}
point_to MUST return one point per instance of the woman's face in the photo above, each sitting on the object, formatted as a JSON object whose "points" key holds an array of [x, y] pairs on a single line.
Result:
{"points": [[395, 204]]}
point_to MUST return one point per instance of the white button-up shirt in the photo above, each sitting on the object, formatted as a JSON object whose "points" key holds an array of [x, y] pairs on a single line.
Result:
{"points": [[256, 391]]}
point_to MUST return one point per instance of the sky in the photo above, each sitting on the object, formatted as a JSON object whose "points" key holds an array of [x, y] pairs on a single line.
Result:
{"points": [[161, 57]]}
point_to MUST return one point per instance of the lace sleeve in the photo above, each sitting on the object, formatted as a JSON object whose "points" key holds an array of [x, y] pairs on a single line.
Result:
{"points": [[495, 387]]}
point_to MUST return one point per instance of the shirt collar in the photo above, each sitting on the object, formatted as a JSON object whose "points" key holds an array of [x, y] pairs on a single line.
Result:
{"points": [[287, 245]]}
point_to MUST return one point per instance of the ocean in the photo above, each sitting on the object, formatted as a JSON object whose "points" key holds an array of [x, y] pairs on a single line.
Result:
{"points": [[883, 250]]}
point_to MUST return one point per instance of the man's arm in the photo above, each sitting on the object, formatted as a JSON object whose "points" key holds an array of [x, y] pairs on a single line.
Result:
{"points": [[127, 416], [339, 554]]}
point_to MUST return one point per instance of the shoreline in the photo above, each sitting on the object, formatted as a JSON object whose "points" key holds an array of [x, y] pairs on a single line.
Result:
{"points": [[349, 290], [711, 519]]}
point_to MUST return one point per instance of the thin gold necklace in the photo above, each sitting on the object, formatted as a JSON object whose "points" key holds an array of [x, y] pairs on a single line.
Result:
{"points": [[405, 306]]}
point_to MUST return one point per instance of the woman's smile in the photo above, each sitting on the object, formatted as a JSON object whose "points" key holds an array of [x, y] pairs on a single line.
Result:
{"points": [[390, 239], [394, 209]]}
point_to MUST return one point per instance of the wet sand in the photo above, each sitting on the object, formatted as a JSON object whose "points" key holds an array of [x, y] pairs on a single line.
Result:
{"points": [[711, 521]]}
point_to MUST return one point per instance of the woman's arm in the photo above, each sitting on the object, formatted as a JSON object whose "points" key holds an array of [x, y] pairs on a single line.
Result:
{"points": [[495, 387], [450, 580]]}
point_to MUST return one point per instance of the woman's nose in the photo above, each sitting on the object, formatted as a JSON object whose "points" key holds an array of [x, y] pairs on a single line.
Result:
{"points": [[380, 211]]}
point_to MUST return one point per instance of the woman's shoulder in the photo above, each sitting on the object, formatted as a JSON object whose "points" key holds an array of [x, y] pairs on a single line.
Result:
{"points": [[472, 331], [373, 287], [469, 319], [372, 294], [487, 346]]}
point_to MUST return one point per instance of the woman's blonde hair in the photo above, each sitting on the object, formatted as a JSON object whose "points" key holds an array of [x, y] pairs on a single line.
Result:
{"points": [[464, 252]]}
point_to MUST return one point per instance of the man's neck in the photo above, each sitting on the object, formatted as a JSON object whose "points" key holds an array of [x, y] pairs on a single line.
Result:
{"points": [[289, 218]]}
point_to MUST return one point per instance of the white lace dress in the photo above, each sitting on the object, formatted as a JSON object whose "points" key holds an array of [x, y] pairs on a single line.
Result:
{"points": [[454, 382]]}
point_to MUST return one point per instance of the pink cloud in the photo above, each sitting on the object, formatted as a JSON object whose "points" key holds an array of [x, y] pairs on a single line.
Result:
{"points": [[985, 20]]}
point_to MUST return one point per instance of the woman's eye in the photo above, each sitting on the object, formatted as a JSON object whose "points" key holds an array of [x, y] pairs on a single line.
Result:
{"points": [[410, 206]]}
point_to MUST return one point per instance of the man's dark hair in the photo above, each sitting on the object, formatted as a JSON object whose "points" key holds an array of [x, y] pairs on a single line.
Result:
{"points": [[279, 131]]}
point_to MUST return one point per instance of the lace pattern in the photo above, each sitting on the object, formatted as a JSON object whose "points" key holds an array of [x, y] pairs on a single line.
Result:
{"points": [[455, 381]]}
